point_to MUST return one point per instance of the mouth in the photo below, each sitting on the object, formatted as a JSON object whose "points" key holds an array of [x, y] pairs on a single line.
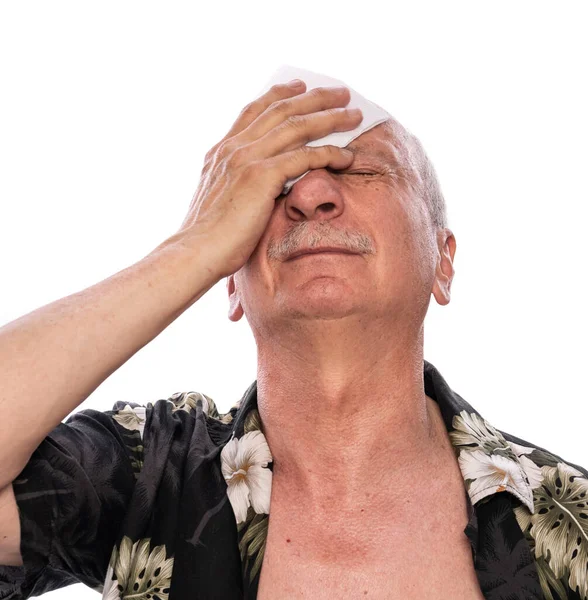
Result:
{"points": [[322, 252]]}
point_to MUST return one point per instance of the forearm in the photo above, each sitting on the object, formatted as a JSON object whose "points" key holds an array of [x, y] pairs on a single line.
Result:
{"points": [[54, 357]]}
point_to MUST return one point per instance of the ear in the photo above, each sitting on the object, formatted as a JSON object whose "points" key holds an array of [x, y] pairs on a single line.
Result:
{"points": [[235, 308], [444, 270]]}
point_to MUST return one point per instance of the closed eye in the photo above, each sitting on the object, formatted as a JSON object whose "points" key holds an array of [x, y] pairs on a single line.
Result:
{"points": [[343, 172]]}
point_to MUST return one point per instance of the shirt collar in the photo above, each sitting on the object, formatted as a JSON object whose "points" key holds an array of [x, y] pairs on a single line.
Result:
{"points": [[489, 463]]}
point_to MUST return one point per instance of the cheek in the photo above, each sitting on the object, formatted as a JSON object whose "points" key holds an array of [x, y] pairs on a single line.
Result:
{"points": [[403, 237]]}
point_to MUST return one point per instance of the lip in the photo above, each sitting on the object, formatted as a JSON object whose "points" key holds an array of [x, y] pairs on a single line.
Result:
{"points": [[309, 252]]}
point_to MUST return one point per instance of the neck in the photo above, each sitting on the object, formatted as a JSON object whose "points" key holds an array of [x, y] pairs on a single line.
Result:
{"points": [[343, 415]]}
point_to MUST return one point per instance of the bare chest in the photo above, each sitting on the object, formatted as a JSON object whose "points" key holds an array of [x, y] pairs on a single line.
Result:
{"points": [[369, 556]]}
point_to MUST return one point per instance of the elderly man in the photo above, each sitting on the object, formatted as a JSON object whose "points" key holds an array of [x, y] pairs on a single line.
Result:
{"points": [[381, 482]]}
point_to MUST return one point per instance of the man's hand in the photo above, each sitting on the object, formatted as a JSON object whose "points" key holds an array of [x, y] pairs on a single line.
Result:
{"points": [[246, 171]]}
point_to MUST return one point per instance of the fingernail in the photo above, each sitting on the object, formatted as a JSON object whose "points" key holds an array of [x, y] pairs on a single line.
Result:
{"points": [[295, 83]]}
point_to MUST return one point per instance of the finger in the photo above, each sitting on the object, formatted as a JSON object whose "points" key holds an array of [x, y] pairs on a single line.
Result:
{"points": [[294, 163], [277, 92], [317, 99], [298, 130]]}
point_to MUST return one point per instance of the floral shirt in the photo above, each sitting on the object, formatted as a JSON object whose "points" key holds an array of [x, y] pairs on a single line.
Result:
{"points": [[171, 501]]}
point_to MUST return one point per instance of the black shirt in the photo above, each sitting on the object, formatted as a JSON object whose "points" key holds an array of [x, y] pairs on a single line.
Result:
{"points": [[170, 501]]}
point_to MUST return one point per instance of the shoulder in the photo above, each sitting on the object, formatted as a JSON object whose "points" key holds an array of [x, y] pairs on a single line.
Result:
{"points": [[133, 416], [531, 454], [557, 529]]}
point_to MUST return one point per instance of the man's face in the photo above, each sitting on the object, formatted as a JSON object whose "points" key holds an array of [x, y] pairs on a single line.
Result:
{"points": [[369, 208]]}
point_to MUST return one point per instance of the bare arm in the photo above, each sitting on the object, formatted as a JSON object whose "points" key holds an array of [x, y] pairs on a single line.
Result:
{"points": [[54, 357], [9, 528]]}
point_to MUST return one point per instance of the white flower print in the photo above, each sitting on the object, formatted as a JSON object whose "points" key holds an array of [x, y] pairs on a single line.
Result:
{"points": [[492, 473], [520, 450], [472, 432], [186, 401], [490, 461], [131, 418], [244, 467], [532, 471], [136, 573]]}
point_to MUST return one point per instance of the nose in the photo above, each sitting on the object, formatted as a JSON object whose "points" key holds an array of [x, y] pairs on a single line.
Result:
{"points": [[314, 197]]}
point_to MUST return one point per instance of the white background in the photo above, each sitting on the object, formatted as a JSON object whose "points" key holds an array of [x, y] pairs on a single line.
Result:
{"points": [[108, 108]]}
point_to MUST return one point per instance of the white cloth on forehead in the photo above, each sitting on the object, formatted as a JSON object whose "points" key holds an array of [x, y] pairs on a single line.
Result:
{"points": [[372, 113]]}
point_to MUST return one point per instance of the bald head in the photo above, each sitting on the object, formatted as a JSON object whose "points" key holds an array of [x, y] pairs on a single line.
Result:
{"points": [[414, 160]]}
